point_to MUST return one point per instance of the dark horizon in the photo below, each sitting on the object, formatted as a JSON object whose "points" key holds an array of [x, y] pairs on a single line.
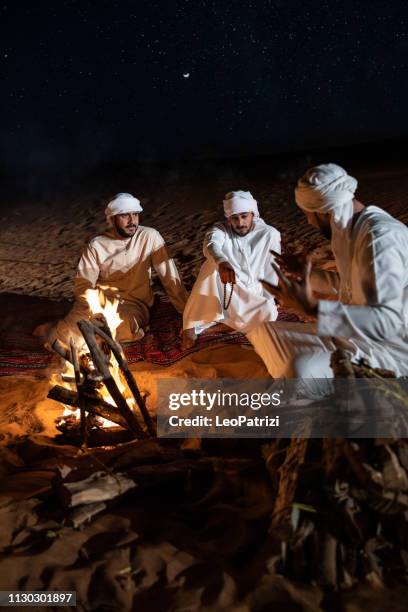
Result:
{"points": [[29, 183]]}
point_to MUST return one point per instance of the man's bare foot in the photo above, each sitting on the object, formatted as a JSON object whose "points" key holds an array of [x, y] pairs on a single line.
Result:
{"points": [[188, 339]]}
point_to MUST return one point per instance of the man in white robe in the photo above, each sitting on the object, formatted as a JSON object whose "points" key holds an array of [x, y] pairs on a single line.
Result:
{"points": [[120, 261], [227, 290], [369, 316]]}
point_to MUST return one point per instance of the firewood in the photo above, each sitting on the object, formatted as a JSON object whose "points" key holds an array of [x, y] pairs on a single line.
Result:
{"points": [[329, 560], [106, 437], [79, 388], [124, 367], [101, 363], [289, 474], [62, 350], [95, 405]]}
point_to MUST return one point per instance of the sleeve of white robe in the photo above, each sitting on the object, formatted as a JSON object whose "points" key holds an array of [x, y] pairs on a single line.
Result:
{"points": [[213, 243], [269, 273], [380, 261], [86, 277], [168, 274]]}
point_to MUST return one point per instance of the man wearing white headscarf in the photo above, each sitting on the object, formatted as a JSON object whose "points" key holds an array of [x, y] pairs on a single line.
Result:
{"points": [[369, 313], [120, 262], [227, 290]]}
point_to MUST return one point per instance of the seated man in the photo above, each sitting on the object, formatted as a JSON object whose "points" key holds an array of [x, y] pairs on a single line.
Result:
{"points": [[227, 289], [120, 261], [370, 314]]}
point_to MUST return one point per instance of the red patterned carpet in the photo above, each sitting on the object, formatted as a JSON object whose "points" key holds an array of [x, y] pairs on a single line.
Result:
{"points": [[21, 353]]}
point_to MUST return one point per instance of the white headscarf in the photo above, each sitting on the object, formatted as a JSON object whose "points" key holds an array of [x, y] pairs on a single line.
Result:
{"points": [[237, 202], [121, 204], [329, 189]]}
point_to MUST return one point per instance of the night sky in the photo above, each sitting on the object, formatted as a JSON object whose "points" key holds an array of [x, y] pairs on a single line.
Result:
{"points": [[85, 81]]}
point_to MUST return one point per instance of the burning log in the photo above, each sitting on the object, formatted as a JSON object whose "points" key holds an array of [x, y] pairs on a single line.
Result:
{"points": [[94, 369], [105, 437], [62, 350], [101, 363], [124, 367], [81, 402], [94, 404], [90, 375]]}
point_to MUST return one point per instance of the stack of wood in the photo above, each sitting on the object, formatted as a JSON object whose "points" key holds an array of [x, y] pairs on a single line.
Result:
{"points": [[92, 370]]}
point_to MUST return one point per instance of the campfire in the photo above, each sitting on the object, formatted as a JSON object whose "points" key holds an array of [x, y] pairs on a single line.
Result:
{"points": [[97, 387]]}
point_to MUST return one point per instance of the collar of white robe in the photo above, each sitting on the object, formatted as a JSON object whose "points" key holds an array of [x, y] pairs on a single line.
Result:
{"points": [[121, 204], [238, 202]]}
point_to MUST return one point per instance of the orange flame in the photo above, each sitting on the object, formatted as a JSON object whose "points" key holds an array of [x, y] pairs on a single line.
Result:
{"points": [[100, 304]]}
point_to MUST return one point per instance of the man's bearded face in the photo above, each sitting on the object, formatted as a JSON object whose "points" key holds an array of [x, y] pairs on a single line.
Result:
{"points": [[126, 224], [242, 223], [321, 222]]}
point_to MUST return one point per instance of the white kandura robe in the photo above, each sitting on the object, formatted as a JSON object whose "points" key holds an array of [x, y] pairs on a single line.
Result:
{"points": [[375, 320], [123, 268], [250, 257]]}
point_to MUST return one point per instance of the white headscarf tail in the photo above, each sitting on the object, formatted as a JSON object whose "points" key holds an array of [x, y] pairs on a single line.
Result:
{"points": [[329, 189]]}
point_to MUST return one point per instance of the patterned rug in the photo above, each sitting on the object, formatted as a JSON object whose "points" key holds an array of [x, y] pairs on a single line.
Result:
{"points": [[21, 353]]}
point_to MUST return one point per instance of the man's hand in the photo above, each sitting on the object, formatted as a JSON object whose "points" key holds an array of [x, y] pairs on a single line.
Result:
{"points": [[227, 273], [292, 264], [296, 294]]}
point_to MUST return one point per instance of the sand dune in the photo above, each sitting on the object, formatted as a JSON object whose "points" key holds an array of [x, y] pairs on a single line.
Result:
{"points": [[39, 249]]}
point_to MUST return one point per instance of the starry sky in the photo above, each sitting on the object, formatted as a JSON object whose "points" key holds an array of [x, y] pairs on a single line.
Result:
{"points": [[90, 81]]}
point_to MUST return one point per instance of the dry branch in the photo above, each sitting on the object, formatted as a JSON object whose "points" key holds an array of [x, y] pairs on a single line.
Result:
{"points": [[81, 401], [289, 474], [124, 367], [101, 363], [62, 350], [107, 437], [94, 405]]}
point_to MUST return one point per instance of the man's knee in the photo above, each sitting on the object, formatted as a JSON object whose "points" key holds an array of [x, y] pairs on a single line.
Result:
{"points": [[134, 320], [312, 365]]}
